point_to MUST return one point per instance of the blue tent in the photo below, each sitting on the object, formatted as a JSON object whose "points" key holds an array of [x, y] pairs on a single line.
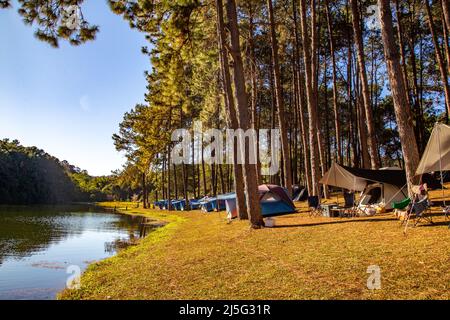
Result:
{"points": [[273, 199], [195, 204], [212, 204], [230, 204], [179, 205]]}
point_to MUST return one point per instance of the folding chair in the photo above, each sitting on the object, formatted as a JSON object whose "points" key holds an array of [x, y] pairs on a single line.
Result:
{"points": [[314, 206], [350, 207], [421, 211]]}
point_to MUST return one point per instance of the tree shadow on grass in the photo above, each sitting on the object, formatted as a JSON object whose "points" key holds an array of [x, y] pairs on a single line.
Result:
{"points": [[340, 221]]}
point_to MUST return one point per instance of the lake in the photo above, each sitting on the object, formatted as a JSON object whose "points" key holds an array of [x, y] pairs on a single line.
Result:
{"points": [[40, 247]]}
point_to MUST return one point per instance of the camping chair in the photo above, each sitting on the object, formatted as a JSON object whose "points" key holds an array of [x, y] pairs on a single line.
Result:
{"points": [[350, 205], [314, 206], [420, 209]]}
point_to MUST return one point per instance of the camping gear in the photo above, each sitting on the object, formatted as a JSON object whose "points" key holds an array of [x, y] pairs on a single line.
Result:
{"points": [[194, 204], [328, 209], [300, 194], [179, 205], [314, 206], [436, 156], [379, 187], [230, 204], [419, 207], [419, 210], [274, 201], [212, 204], [401, 204]]}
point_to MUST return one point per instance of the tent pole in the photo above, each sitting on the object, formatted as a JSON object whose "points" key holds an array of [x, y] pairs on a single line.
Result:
{"points": [[440, 164]]}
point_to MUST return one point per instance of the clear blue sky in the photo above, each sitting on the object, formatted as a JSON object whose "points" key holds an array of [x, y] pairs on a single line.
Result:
{"points": [[69, 101]]}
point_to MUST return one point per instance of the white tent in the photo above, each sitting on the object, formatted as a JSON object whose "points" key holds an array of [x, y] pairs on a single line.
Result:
{"points": [[379, 187], [436, 156]]}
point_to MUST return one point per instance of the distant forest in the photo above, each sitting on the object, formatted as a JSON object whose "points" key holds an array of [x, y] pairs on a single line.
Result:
{"points": [[29, 175]]}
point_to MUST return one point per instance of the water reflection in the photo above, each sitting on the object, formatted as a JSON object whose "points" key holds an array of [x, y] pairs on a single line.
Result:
{"points": [[37, 244]]}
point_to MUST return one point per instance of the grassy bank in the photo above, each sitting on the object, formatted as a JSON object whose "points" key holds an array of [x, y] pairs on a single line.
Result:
{"points": [[200, 256]]}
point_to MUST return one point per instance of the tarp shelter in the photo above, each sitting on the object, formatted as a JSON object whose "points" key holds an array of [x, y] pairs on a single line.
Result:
{"points": [[436, 156], [274, 200], [380, 187]]}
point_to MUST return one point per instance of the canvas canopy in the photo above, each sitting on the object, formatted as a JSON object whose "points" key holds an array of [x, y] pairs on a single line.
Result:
{"points": [[338, 176], [357, 179], [436, 156]]}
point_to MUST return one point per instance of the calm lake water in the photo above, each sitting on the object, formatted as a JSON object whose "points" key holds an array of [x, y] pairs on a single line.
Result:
{"points": [[38, 244]]}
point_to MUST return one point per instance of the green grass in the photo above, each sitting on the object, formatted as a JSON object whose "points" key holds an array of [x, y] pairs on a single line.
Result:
{"points": [[200, 256]]}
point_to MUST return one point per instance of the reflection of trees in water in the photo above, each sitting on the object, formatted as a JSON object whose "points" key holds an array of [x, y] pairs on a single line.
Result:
{"points": [[27, 230], [145, 226]]}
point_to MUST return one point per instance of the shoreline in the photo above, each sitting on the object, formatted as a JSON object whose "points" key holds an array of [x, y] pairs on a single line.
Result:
{"points": [[165, 223], [199, 256]]}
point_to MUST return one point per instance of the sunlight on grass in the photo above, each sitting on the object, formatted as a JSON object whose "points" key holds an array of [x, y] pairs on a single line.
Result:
{"points": [[200, 256]]}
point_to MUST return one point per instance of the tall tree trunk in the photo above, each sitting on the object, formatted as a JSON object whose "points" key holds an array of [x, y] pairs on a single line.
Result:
{"points": [[280, 102], [439, 57], [311, 98], [250, 179], [402, 51], [404, 123], [144, 191], [337, 124], [446, 44], [205, 188], [194, 176], [230, 107], [446, 10], [368, 116], [301, 101], [169, 196], [175, 180], [254, 88]]}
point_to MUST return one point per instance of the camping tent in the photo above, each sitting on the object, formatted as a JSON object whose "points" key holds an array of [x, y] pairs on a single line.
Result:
{"points": [[230, 204], [379, 187], [212, 204], [300, 193], [274, 200], [195, 204], [179, 205], [436, 156]]}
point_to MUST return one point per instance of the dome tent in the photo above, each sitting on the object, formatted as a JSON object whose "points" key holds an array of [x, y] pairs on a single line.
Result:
{"points": [[273, 199]]}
